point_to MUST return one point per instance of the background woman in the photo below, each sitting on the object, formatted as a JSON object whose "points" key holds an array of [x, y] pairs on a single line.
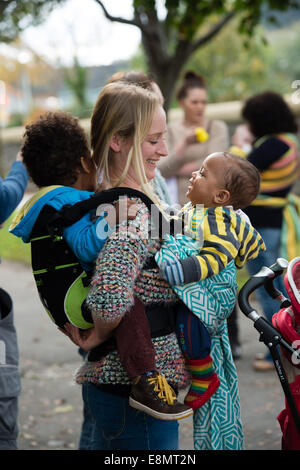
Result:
{"points": [[186, 153], [271, 126]]}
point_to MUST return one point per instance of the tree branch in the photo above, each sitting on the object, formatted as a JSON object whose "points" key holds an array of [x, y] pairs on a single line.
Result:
{"points": [[204, 39], [133, 22]]}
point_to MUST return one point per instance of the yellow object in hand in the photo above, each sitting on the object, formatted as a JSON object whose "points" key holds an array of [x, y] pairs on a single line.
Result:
{"points": [[237, 151], [201, 134]]}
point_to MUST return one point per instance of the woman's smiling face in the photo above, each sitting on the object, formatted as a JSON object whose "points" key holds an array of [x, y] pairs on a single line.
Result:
{"points": [[154, 146]]}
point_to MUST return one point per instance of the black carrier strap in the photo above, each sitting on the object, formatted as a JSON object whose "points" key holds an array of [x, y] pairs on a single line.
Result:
{"points": [[68, 215], [56, 267]]}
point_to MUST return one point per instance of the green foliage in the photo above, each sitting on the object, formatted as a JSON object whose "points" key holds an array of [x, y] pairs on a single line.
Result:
{"points": [[16, 120], [235, 72], [285, 60], [186, 16], [81, 112], [231, 70], [15, 16], [147, 5], [189, 26], [76, 81]]}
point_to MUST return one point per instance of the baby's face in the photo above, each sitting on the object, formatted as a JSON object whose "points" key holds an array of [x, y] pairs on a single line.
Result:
{"points": [[207, 181]]}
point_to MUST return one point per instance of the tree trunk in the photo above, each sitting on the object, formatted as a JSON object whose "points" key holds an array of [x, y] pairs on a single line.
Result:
{"points": [[166, 69], [156, 39]]}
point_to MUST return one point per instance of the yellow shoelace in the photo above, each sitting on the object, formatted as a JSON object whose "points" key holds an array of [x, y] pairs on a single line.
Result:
{"points": [[165, 392]]}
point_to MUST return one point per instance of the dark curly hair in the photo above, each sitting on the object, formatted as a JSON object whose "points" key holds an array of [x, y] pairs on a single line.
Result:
{"points": [[242, 180], [52, 148], [268, 113]]}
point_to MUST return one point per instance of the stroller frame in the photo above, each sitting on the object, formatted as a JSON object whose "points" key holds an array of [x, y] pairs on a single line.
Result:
{"points": [[269, 335]]}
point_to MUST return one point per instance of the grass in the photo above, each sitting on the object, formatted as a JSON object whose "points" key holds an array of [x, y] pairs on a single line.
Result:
{"points": [[11, 247]]}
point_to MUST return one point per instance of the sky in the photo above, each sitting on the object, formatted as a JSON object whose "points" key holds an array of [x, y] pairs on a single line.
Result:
{"points": [[72, 28]]}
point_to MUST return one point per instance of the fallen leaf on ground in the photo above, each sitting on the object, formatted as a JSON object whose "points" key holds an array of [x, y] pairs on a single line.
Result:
{"points": [[59, 410]]}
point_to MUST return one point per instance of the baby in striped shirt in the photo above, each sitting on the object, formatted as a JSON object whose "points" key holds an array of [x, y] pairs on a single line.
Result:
{"points": [[217, 236]]}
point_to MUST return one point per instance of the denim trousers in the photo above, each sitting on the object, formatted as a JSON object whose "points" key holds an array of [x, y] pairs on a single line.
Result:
{"points": [[114, 425], [271, 237]]}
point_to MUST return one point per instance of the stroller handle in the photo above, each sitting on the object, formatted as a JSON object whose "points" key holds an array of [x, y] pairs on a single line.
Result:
{"points": [[269, 335], [278, 268], [265, 277]]}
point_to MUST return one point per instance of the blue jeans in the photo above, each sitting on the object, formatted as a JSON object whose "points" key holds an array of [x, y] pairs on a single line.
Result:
{"points": [[118, 426], [85, 440], [271, 237]]}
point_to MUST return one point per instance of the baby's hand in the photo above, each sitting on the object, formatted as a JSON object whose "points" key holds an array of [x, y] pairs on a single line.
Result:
{"points": [[181, 271], [19, 157], [172, 272]]}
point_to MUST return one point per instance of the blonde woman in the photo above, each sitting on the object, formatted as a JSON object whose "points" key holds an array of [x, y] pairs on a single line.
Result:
{"points": [[127, 136]]}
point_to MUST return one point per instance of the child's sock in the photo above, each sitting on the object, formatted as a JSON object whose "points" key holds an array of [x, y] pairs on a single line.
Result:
{"points": [[204, 381]]}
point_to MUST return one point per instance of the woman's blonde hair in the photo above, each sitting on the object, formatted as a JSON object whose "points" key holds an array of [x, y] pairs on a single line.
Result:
{"points": [[127, 110]]}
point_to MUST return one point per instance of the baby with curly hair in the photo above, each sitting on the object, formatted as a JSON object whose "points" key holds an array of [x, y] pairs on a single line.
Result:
{"points": [[56, 154]]}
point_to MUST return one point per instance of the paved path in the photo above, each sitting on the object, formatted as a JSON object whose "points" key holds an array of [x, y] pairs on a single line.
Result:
{"points": [[50, 403]]}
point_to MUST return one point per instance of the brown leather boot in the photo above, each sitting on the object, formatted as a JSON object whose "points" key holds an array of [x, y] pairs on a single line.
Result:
{"points": [[153, 395]]}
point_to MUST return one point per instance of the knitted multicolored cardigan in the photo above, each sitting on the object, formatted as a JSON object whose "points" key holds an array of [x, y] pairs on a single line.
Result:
{"points": [[119, 276]]}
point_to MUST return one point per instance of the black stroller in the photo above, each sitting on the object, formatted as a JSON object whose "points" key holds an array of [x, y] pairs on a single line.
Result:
{"points": [[285, 332]]}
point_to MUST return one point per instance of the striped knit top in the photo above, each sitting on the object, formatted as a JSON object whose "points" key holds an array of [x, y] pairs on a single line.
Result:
{"points": [[226, 237], [119, 277], [277, 159], [284, 171]]}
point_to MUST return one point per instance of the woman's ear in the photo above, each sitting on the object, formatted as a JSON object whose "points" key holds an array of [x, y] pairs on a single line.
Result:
{"points": [[222, 197], [116, 143]]}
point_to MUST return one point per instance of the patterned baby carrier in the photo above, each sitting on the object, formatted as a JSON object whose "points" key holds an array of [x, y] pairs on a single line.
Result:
{"points": [[217, 424]]}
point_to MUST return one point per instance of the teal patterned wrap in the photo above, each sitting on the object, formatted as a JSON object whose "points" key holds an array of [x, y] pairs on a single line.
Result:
{"points": [[217, 424]]}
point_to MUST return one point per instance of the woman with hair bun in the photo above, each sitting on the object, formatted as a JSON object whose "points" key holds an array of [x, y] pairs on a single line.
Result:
{"points": [[194, 137]]}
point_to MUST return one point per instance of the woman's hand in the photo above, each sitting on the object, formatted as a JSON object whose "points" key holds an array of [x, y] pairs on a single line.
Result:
{"points": [[89, 339], [85, 339], [190, 137], [125, 209]]}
